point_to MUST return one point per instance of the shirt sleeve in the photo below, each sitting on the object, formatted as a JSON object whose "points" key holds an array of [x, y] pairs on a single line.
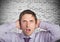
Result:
{"points": [[7, 27], [52, 28]]}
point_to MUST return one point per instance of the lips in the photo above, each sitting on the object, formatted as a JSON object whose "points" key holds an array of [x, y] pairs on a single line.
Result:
{"points": [[28, 30]]}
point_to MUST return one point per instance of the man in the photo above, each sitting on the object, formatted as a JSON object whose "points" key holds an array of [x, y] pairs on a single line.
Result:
{"points": [[28, 23]]}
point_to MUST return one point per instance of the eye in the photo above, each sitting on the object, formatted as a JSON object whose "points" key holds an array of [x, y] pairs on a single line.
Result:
{"points": [[31, 20], [24, 20]]}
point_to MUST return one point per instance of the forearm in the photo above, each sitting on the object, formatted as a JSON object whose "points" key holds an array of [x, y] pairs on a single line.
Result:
{"points": [[52, 28], [7, 27]]}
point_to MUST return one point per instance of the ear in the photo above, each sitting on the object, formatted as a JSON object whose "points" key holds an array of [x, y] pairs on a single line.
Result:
{"points": [[38, 23]]}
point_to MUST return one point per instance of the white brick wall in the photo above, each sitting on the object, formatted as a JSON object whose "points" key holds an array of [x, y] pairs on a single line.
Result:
{"points": [[47, 10]]}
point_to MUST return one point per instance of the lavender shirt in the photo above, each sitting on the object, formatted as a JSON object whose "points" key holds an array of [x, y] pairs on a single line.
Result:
{"points": [[50, 33]]}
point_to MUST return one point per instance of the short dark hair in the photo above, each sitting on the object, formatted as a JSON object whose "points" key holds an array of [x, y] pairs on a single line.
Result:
{"points": [[27, 12]]}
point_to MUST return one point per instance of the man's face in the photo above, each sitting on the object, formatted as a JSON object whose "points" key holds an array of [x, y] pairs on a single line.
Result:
{"points": [[28, 24]]}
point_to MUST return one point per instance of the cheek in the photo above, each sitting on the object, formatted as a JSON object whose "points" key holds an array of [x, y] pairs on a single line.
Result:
{"points": [[22, 26], [33, 26]]}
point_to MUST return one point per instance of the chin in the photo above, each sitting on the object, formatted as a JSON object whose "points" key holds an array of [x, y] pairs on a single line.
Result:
{"points": [[28, 34]]}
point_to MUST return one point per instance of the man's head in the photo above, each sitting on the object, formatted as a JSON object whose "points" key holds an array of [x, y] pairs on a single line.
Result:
{"points": [[28, 22]]}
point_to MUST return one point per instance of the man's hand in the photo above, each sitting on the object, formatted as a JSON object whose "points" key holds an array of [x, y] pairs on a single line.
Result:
{"points": [[17, 24], [38, 23]]}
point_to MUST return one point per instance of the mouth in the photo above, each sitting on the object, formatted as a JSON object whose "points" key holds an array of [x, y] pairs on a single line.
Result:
{"points": [[28, 30]]}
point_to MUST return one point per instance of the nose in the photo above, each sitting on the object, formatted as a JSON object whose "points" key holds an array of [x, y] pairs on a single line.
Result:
{"points": [[27, 24]]}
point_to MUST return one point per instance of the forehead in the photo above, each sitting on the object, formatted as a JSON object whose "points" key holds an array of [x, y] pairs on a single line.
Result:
{"points": [[27, 16]]}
